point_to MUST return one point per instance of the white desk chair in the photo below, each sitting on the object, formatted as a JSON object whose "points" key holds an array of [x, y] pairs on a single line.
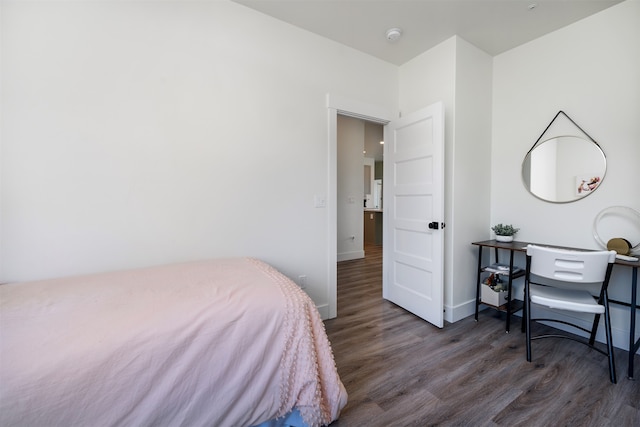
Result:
{"points": [[562, 276]]}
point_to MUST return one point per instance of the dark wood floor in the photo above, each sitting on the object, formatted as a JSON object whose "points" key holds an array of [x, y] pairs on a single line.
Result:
{"points": [[402, 371]]}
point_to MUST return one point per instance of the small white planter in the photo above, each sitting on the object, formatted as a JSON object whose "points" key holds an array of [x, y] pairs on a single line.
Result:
{"points": [[504, 239]]}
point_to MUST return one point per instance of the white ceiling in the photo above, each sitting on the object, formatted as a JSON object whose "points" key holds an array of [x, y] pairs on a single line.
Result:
{"points": [[494, 26]]}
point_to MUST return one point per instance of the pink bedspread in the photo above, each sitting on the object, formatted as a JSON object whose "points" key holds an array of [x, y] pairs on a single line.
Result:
{"points": [[227, 342]]}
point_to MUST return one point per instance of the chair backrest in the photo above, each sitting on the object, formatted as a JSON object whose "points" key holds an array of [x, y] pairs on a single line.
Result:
{"points": [[570, 265]]}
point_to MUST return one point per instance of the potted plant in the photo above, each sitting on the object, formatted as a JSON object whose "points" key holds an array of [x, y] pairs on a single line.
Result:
{"points": [[504, 233]]}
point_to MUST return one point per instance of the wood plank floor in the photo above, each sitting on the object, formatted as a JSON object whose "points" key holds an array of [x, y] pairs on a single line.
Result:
{"points": [[402, 371]]}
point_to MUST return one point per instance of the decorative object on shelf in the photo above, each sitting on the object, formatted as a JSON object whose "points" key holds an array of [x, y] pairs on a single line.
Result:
{"points": [[504, 233], [495, 282], [615, 221], [620, 245], [502, 269], [494, 291]]}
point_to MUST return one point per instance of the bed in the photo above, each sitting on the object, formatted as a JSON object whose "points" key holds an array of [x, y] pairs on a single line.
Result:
{"points": [[227, 342]]}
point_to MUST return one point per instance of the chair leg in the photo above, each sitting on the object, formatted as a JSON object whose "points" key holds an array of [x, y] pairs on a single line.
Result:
{"points": [[596, 320], [607, 321], [524, 316], [527, 315], [594, 329]]}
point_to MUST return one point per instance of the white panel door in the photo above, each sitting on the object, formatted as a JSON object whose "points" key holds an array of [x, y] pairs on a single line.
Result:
{"points": [[413, 258]]}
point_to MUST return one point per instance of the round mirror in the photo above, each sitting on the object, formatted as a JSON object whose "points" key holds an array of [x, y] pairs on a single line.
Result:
{"points": [[564, 169]]}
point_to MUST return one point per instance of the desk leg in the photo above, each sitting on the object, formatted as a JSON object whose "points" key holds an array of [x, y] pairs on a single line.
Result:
{"points": [[633, 345], [509, 291], [478, 280]]}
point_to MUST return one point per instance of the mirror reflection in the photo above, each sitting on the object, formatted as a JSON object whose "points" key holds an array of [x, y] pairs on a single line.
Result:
{"points": [[564, 169]]}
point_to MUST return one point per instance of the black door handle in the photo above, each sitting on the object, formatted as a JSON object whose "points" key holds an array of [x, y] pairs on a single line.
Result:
{"points": [[434, 225]]}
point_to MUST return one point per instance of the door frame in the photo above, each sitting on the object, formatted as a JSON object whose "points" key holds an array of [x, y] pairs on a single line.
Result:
{"points": [[352, 108]]}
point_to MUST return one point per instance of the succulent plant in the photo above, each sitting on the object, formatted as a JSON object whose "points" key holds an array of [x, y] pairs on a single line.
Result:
{"points": [[504, 230]]}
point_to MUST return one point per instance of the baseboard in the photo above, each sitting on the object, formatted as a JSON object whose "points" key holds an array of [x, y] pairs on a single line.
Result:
{"points": [[347, 256], [324, 311], [454, 313]]}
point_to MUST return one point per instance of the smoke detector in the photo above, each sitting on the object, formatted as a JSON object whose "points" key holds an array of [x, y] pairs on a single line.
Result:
{"points": [[394, 34]]}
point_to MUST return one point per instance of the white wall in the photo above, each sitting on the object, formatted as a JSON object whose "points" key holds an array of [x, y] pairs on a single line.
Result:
{"points": [[472, 166], [590, 70], [458, 74], [351, 134], [140, 133], [429, 78]]}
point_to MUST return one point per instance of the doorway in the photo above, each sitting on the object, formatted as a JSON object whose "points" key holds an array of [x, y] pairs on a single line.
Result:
{"points": [[360, 157], [359, 183], [424, 131], [351, 108]]}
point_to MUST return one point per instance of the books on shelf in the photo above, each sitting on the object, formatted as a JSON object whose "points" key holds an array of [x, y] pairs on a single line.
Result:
{"points": [[502, 269]]}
